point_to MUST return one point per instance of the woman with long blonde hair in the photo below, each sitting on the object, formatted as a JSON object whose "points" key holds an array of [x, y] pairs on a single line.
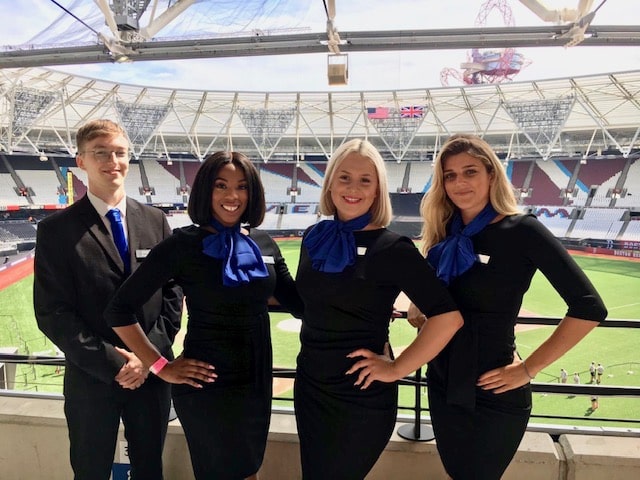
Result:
{"points": [[487, 252]]}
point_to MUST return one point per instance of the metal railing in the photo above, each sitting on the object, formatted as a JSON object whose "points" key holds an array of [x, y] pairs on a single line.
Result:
{"points": [[417, 427]]}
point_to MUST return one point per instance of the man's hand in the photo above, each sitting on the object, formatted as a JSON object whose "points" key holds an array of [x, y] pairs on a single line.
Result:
{"points": [[133, 373]]}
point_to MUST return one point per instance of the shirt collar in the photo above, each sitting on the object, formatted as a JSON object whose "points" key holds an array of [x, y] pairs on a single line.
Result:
{"points": [[102, 207]]}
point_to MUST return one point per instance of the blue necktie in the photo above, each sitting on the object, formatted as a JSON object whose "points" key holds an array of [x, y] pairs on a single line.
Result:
{"points": [[117, 228]]}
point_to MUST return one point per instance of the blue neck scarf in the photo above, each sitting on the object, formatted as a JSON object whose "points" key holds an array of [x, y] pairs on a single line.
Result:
{"points": [[331, 244], [242, 259], [454, 255]]}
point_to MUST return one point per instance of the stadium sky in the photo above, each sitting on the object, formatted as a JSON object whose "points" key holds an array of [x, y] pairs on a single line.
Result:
{"points": [[26, 19]]}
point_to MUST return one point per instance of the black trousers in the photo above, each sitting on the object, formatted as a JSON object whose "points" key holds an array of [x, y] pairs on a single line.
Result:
{"points": [[93, 410]]}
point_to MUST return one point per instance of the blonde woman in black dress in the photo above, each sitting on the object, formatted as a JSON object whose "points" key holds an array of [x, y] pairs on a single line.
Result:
{"points": [[351, 270], [487, 253]]}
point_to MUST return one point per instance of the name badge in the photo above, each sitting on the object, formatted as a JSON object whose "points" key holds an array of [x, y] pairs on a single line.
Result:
{"points": [[361, 250], [142, 253], [268, 260], [483, 258]]}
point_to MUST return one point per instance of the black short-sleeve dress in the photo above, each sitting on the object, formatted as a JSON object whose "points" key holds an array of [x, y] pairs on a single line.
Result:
{"points": [[226, 422], [342, 428]]}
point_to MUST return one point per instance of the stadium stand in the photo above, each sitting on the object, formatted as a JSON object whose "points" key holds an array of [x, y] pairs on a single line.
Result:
{"points": [[178, 219], [308, 182], [278, 178], [518, 173], [631, 189], [556, 219], [545, 191], [544, 188], [601, 223], [395, 175], [595, 178], [43, 183], [556, 174], [15, 231], [299, 222], [166, 187], [311, 172], [420, 177], [632, 232], [271, 221], [133, 183], [190, 169], [8, 196]]}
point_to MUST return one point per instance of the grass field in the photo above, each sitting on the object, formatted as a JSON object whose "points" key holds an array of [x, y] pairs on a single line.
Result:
{"points": [[618, 281]]}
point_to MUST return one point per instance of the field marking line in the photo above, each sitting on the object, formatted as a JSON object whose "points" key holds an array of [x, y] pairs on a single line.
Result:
{"points": [[623, 306]]}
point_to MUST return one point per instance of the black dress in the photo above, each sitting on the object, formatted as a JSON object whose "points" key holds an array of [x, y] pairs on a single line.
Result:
{"points": [[477, 431], [342, 428], [226, 422]]}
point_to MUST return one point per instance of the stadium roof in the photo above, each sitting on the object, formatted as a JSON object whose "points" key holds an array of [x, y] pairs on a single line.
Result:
{"points": [[40, 110]]}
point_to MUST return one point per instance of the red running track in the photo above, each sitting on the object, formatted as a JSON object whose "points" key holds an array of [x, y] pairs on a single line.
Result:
{"points": [[15, 273]]}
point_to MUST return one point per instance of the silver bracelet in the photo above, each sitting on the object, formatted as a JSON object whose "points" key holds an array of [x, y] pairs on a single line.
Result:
{"points": [[526, 370]]}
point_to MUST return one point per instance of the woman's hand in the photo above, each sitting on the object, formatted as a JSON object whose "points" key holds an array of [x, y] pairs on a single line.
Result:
{"points": [[415, 317], [188, 371], [373, 367], [505, 378]]}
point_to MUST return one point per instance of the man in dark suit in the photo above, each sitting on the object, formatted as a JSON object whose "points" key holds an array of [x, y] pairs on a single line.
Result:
{"points": [[78, 268]]}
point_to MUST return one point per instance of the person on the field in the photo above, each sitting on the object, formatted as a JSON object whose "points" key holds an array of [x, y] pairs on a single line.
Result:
{"points": [[563, 375]]}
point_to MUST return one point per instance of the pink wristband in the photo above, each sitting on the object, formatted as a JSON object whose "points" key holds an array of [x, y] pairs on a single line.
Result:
{"points": [[159, 364]]}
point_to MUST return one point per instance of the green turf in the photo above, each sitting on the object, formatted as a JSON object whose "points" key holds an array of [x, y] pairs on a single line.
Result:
{"points": [[618, 281], [18, 328]]}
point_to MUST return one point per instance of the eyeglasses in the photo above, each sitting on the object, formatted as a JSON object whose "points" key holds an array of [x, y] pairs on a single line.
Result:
{"points": [[105, 155]]}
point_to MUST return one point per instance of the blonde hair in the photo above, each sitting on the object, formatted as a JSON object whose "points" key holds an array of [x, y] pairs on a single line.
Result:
{"points": [[381, 209], [436, 208], [97, 128]]}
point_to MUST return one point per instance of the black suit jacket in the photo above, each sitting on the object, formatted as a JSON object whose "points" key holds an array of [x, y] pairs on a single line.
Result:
{"points": [[77, 271]]}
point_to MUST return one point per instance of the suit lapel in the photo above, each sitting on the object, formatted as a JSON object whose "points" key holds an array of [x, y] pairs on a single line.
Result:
{"points": [[90, 217]]}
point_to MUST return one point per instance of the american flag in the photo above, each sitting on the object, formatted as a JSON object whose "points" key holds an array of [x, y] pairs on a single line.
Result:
{"points": [[379, 112], [414, 111]]}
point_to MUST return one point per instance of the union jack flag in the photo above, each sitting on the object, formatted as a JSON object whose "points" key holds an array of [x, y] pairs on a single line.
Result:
{"points": [[413, 111]]}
